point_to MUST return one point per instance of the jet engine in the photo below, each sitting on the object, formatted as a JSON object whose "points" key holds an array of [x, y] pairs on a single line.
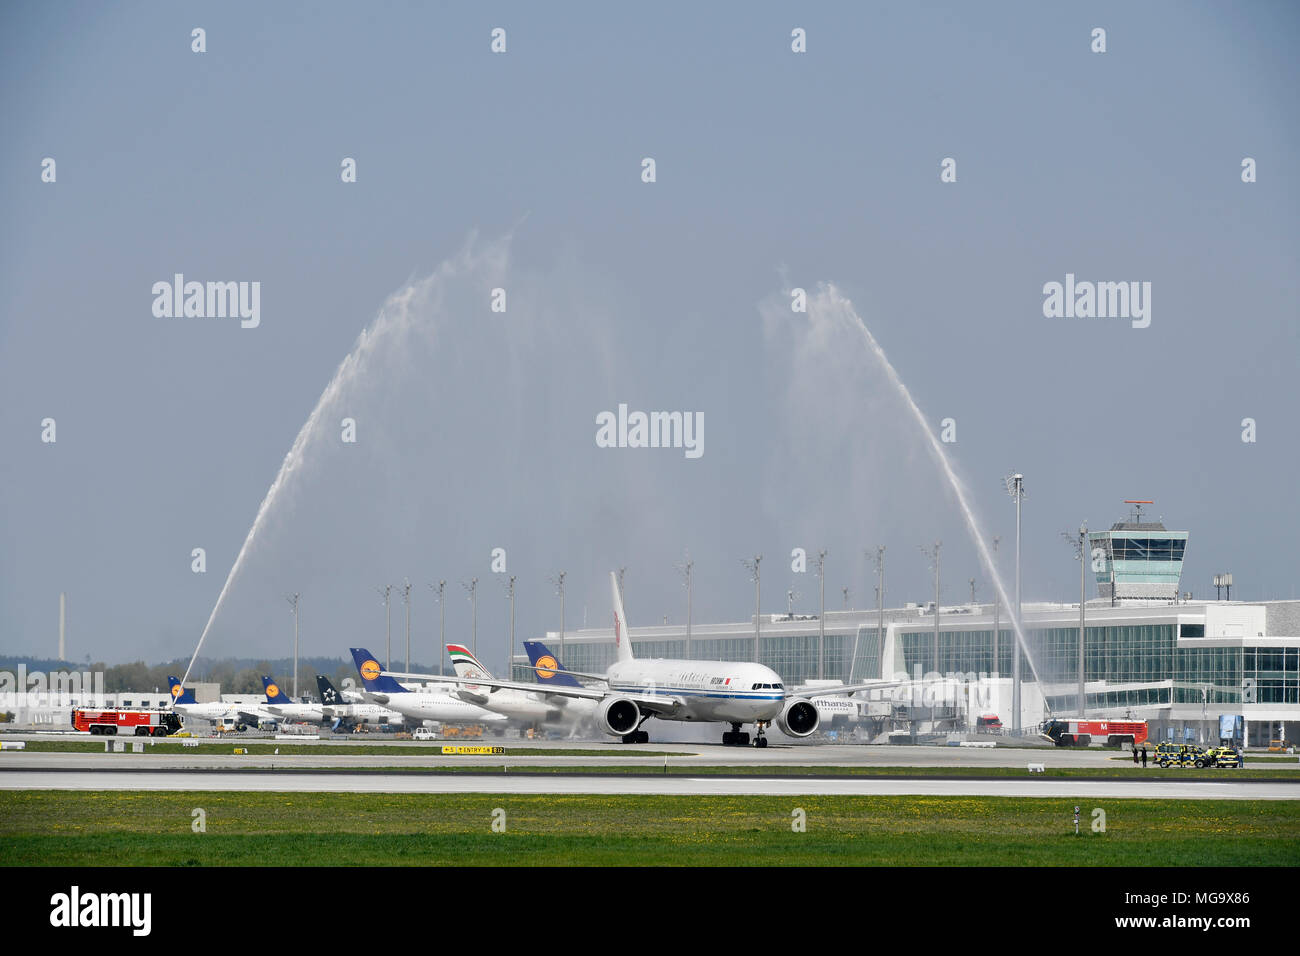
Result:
{"points": [[798, 718], [618, 716]]}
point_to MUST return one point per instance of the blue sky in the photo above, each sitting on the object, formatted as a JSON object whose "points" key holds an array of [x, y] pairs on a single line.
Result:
{"points": [[774, 169]]}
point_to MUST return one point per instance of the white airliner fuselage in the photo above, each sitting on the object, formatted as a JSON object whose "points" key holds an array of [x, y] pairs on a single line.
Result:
{"points": [[720, 691], [443, 708], [521, 706]]}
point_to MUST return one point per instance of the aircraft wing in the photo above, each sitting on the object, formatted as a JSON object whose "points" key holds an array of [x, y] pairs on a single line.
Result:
{"points": [[655, 703]]}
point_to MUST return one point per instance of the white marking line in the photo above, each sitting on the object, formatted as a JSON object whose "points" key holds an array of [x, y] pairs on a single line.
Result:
{"points": [[677, 786]]}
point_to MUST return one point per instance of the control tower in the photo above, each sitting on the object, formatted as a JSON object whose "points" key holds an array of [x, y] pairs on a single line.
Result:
{"points": [[1138, 560]]}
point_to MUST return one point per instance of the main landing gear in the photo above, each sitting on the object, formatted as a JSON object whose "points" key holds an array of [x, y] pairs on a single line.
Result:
{"points": [[638, 736], [735, 738]]}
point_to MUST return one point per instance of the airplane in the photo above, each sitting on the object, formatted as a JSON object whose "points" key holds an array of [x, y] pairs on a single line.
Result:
{"points": [[342, 711], [421, 705], [736, 693], [286, 708], [183, 703], [533, 706]]}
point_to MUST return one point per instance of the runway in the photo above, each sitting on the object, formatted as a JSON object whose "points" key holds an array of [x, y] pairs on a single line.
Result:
{"points": [[615, 784], [302, 754]]}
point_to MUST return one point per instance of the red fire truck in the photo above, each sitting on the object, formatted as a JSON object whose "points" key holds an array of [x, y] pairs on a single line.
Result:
{"points": [[1076, 732], [142, 723]]}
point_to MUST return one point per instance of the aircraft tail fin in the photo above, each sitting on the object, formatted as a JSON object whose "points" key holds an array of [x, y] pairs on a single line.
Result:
{"points": [[621, 640], [546, 668], [180, 695], [369, 668], [273, 693], [328, 695], [465, 663]]}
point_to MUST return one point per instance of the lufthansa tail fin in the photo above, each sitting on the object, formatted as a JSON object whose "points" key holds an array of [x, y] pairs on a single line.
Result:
{"points": [[547, 669], [273, 693], [369, 668], [180, 695], [622, 642]]}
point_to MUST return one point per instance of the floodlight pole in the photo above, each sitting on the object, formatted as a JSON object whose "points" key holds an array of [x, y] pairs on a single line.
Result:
{"points": [[472, 588], [442, 623], [934, 557], [685, 569], [997, 606], [293, 603], [880, 602], [386, 592], [406, 598], [753, 567], [1016, 489], [559, 589], [821, 616], [1081, 552], [510, 661]]}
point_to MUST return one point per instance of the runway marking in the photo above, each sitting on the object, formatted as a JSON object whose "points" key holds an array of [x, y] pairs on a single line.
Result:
{"points": [[297, 782]]}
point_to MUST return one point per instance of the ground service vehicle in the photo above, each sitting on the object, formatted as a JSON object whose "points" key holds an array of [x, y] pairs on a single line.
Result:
{"points": [[988, 724], [141, 723], [1181, 755], [1223, 757], [1075, 732]]}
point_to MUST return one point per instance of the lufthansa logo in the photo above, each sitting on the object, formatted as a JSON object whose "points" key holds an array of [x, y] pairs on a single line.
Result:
{"points": [[272, 690], [546, 667], [370, 670], [177, 690]]}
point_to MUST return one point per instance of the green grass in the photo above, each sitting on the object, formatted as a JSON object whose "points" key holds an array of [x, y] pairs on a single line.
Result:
{"points": [[67, 828]]}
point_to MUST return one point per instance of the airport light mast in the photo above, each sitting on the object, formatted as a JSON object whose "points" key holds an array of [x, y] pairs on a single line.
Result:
{"points": [[293, 603], [510, 661], [1080, 544], [685, 569], [386, 593], [472, 589], [880, 599], [753, 568], [934, 564], [821, 615], [558, 581], [1016, 489], [439, 588], [997, 607], [406, 599]]}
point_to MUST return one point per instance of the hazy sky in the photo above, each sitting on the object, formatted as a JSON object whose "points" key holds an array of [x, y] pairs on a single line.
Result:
{"points": [[522, 170]]}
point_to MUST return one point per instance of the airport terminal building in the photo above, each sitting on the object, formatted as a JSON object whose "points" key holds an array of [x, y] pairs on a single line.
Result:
{"points": [[1148, 652]]}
